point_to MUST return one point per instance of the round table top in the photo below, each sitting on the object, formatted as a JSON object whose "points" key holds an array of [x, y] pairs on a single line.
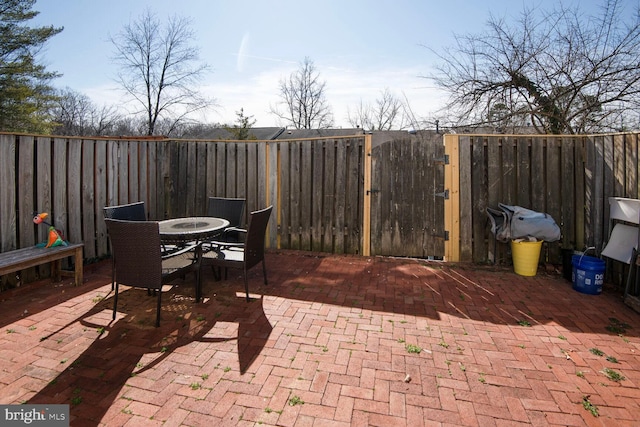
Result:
{"points": [[191, 228]]}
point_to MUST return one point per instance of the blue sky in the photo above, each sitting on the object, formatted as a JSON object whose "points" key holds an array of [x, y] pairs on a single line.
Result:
{"points": [[359, 47]]}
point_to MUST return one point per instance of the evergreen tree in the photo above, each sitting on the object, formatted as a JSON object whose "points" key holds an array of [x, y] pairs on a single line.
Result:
{"points": [[242, 129], [25, 93]]}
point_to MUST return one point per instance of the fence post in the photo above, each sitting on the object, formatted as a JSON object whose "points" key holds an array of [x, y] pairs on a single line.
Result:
{"points": [[366, 203], [452, 204]]}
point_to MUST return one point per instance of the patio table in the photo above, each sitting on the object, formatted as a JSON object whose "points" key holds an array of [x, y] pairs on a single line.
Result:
{"points": [[190, 229]]}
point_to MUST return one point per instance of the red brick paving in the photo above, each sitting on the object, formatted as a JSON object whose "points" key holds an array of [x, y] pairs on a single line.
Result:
{"points": [[327, 343]]}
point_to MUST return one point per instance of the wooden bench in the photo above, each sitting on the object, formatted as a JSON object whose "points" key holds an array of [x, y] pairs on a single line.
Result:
{"points": [[32, 256]]}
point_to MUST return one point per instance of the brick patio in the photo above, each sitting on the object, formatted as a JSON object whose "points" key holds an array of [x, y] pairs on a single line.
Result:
{"points": [[332, 340]]}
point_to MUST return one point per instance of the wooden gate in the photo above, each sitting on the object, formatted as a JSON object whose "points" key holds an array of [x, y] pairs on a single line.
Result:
{"points": [[407, 195]]}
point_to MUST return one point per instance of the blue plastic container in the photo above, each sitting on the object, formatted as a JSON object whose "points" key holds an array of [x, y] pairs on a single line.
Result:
{"points": [[588, 274]]}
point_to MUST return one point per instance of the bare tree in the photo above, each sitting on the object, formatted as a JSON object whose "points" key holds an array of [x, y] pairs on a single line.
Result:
{"points": [[386, 113], [75, 115], [160, 70], [303, 97], [560, 71]]}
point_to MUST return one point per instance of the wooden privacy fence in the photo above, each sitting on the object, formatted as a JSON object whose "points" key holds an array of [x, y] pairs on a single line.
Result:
{"points": [[315, 186], [568, 177], [405, 195]]}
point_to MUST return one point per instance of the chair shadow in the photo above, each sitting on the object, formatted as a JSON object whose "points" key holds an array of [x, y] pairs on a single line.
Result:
{"points": [[131, 347]]}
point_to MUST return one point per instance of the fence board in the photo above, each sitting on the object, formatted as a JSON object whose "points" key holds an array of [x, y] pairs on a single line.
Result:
{"points": [[100, 153], [295, 201], [509, 172], [316, 185], [328, 198], [200, 197], [538, 175], [26, 203], [221, 168], [631, 164], [405, 206], [60, 195], [74, 181], [284, 190], [340, 186], [143, 174], [244, 170], [8, 184], [133, 164], [552, 198], [479, 188], [271, 178], [44, 187], [567, 192], [87, 199], [523, 174], [466, 200], [250, 190], [353, 196], [231, 166]]}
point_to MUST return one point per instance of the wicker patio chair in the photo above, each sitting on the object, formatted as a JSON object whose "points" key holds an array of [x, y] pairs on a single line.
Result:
{"points": [[129, 212], [247, 254], [230, 209], [139, 261]]}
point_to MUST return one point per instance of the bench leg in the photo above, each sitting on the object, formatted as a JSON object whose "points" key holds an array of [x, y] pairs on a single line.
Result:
{"points": [[56, 270], [78, 264]]}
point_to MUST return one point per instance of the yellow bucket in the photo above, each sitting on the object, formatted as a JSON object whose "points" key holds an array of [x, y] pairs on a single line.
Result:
{"points": [[525, 257]]}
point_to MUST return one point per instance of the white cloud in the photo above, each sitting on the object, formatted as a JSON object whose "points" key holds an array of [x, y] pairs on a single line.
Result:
{"points": [[346, 87]]}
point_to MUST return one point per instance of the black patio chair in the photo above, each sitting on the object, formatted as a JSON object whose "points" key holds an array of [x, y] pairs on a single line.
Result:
{"points": [[230, 209], [139, 261], [129, 212], [246, 254]]}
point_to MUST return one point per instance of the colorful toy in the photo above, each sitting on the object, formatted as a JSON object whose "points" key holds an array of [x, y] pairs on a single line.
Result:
{"points": [[55, 236]]}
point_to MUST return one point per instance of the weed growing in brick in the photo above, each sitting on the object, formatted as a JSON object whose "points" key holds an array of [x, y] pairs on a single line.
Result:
{"points": [[616, 326], [295, 400], [411, 348], [589, 406], [613, 375], [596, 351]]}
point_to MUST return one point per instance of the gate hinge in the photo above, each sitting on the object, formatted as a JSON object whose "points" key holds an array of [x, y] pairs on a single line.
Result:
{"points": [[444, 194], [446, 235], [442, 160], [373, 190]]}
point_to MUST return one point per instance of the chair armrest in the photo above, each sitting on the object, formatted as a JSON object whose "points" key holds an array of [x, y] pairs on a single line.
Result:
{"points": [[221, 242], [182, 250]]}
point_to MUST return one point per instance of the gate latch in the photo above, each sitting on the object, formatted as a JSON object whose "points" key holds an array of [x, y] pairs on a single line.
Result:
{"points": [[444, 194]]}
